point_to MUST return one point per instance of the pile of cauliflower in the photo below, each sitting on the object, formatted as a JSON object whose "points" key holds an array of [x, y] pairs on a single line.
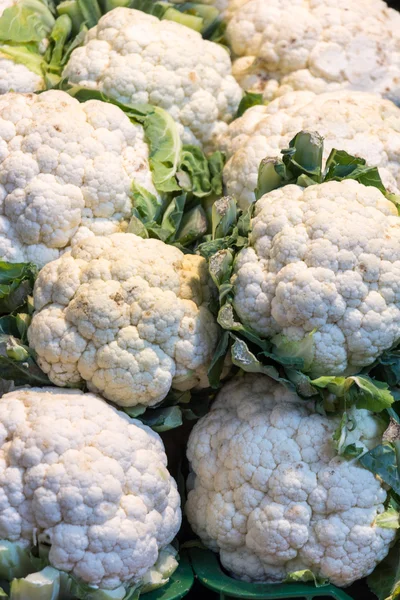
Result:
{"points": [[120, 130]]}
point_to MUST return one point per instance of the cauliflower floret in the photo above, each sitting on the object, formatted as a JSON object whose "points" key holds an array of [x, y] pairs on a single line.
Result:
{"points": [[128, 316], [271, 497], [18, 78], [323, 258], [317, 45], [66, 171], [359, 123], [88, 480], [135, 57]]}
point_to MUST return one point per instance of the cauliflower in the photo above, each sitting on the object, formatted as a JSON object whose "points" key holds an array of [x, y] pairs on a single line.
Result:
{"points": [[87, 480], [269, 494], [129, 316], [22, 68], [323, 259], [360, 123], [66, 173], [317, 45], [133, 57]]}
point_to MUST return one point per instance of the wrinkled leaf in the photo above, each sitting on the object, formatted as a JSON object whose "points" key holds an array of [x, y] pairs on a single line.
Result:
{"points": [[388, 519], [217, 363]]}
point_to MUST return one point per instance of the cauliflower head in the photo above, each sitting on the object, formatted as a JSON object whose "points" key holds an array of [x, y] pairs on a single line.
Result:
{"points": [[323, 259], [317, 45], [269, 494], [88, 480], [362, 124], [134, 57], [129, 316], [66, 172]]}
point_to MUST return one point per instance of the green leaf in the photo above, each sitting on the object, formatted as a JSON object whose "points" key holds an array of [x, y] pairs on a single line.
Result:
{"points": [[16, 283], [359, 390], [148, 207], [242, 357], [304, 155], [17, 363], [91, 12], [192, 227], [341, 165], [192, 21], [366, 393], [162, 419], [26, 21], [216, 164], [14, 561], [305, 576], [384, 460], [385, 579], [59, 35], [249, 99], [388, 519], [194, 174], [72, 10], [217, 363], [2, 593], [43, 585], [223, 217], [165, 149], [268, 177], [302, 349]]}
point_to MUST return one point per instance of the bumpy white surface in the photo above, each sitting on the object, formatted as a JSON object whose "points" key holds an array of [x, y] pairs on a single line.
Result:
{"points": [[66, 171], [135, 57], [87, 479], [270, 495], [129, 316], [18, 78], [326, 257], [362, 124], [316, 45]]}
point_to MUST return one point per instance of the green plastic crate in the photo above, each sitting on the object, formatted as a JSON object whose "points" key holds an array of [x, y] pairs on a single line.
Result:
{"points": [[179, 584], [209, 572]]}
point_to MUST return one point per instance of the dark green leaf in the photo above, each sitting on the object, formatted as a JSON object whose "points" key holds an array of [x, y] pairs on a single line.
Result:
{"points": [[249, 99], [216, 164], [384, 460], [162, 419], [217, 364]]}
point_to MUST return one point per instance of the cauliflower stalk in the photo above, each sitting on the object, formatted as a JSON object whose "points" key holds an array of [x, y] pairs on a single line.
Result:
{"points": [[268, 492], [283, 46], [134, 57], [359, 123], [128, 316], [89, 483], [312, 285]]}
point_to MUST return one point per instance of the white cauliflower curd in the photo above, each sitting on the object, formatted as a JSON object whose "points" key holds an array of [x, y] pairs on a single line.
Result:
{"points": [[66, 172], [269, 494], [323, 259], [134, 57], [361, 124], [316, 45], [89, 481], [129, 316]]}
